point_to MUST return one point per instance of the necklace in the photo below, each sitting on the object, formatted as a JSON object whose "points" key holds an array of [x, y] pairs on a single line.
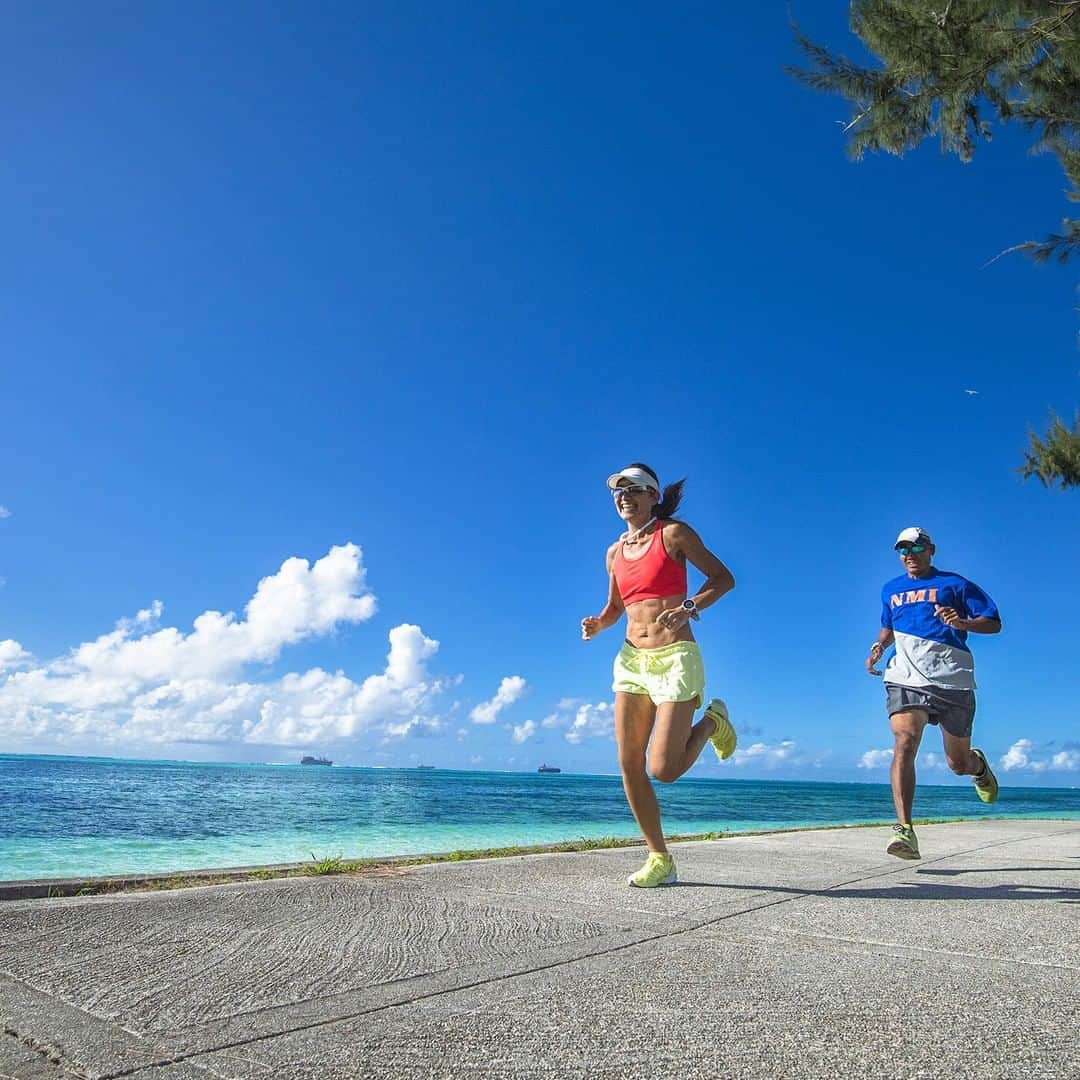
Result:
{"points": [[630, 537]]}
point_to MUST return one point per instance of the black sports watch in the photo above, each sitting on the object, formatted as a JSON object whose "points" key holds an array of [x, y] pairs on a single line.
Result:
{"points": [[690, 608]]}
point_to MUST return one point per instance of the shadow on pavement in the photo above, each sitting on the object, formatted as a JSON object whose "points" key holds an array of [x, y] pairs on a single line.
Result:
{"points": [[992, 870], [917, 890]]}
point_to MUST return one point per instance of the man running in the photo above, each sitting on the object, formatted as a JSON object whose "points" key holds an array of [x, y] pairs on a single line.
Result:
{"points": [[927, 614]]}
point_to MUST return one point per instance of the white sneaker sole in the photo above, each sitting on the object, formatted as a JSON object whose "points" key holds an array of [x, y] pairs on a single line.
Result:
{"points": [[902, 851], [671, 879]]}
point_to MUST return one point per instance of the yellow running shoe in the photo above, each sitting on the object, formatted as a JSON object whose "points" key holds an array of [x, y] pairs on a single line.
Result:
{"points": [[986, 785], [659, 869], [724, 737], [904, 844]]}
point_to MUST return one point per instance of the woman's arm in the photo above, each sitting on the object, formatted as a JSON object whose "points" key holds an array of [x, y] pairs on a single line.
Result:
{"points": [[591, 625], [718, 578], [682, 541]]}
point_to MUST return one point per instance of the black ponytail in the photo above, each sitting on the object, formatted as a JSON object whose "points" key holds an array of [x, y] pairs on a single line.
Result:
{"points": [[670, 499]]}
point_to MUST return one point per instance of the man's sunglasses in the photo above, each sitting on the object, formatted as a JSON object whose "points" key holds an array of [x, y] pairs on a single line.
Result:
{"points": [[911, 549], [630, 489]]}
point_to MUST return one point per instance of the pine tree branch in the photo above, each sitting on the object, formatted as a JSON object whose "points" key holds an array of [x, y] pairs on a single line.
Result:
{"points": [[1057, 459], [949, 72], [1060, 246]]}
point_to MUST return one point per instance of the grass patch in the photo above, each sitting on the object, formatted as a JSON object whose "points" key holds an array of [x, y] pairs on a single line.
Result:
{"points": [[331, 864], [522, 849]]}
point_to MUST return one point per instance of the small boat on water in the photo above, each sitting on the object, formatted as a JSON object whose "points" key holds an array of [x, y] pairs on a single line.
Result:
{"points": [[309, 760], [549, 768], [425, 766]]}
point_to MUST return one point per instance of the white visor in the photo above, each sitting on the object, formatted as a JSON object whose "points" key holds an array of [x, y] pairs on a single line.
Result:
{"points": [[633, 476]]}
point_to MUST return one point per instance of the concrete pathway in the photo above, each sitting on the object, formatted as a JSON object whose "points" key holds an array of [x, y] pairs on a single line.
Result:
{"points": [[789, 955]]}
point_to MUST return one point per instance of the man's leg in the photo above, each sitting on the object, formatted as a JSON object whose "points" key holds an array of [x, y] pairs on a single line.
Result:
{"points": [[963, 758], [959, 755], [907, 728]]}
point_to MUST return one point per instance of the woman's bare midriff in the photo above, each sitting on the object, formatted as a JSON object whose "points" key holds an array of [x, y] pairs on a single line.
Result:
{"points": [[644, 632]]}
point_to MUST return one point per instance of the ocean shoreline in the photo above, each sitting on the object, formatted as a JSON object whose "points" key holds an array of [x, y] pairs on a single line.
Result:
{"points": [[68, 818], [201, 877]]}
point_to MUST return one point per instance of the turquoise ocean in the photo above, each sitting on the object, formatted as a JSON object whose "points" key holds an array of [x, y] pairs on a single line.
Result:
{"points": [[71, 817]]}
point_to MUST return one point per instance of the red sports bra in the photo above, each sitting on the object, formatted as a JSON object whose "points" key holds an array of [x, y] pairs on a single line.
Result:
{"points": [[652, 576]]}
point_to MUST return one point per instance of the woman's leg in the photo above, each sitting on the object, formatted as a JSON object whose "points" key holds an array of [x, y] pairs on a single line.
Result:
{"points": [[635, 715], [677, 740]]}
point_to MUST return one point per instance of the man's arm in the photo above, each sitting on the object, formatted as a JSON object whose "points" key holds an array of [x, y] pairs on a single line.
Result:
{"points": [[982, 624], [877, 650], [983, 615]]}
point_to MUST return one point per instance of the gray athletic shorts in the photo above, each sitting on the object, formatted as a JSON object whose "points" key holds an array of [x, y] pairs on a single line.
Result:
{"points": [[954, 710]]}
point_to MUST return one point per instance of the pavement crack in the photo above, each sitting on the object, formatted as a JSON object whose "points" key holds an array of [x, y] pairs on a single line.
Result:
{"points": [[51, 1054], [257, 1026], [901, 949], [459, 987], [686, 927]]}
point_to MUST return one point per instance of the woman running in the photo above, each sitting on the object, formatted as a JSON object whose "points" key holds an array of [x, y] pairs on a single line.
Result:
{"points": [[659, 674]]}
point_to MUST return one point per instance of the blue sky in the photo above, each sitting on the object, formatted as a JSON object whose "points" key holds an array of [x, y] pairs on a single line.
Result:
{"points": [[366, 301]]}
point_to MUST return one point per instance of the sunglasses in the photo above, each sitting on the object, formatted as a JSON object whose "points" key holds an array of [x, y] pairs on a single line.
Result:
{"points": [[911, 549], [631, 489]]}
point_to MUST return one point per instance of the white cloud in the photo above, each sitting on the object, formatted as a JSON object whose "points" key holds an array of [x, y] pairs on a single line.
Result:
{"points": [[298, 602], [139, 685], [582, 720], [592, 722], [1067, 759], [4, 512], [510, 689], [875, 759], [525, 731], [1019, 756], [786, 752], [879, 759], [12, 654]]}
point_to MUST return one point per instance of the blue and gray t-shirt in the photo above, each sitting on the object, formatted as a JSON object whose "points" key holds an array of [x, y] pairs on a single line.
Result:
{"points": [[929, 653]]}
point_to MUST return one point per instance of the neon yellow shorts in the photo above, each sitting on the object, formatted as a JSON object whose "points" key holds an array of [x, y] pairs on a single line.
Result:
{"points": [[671, 673]]}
